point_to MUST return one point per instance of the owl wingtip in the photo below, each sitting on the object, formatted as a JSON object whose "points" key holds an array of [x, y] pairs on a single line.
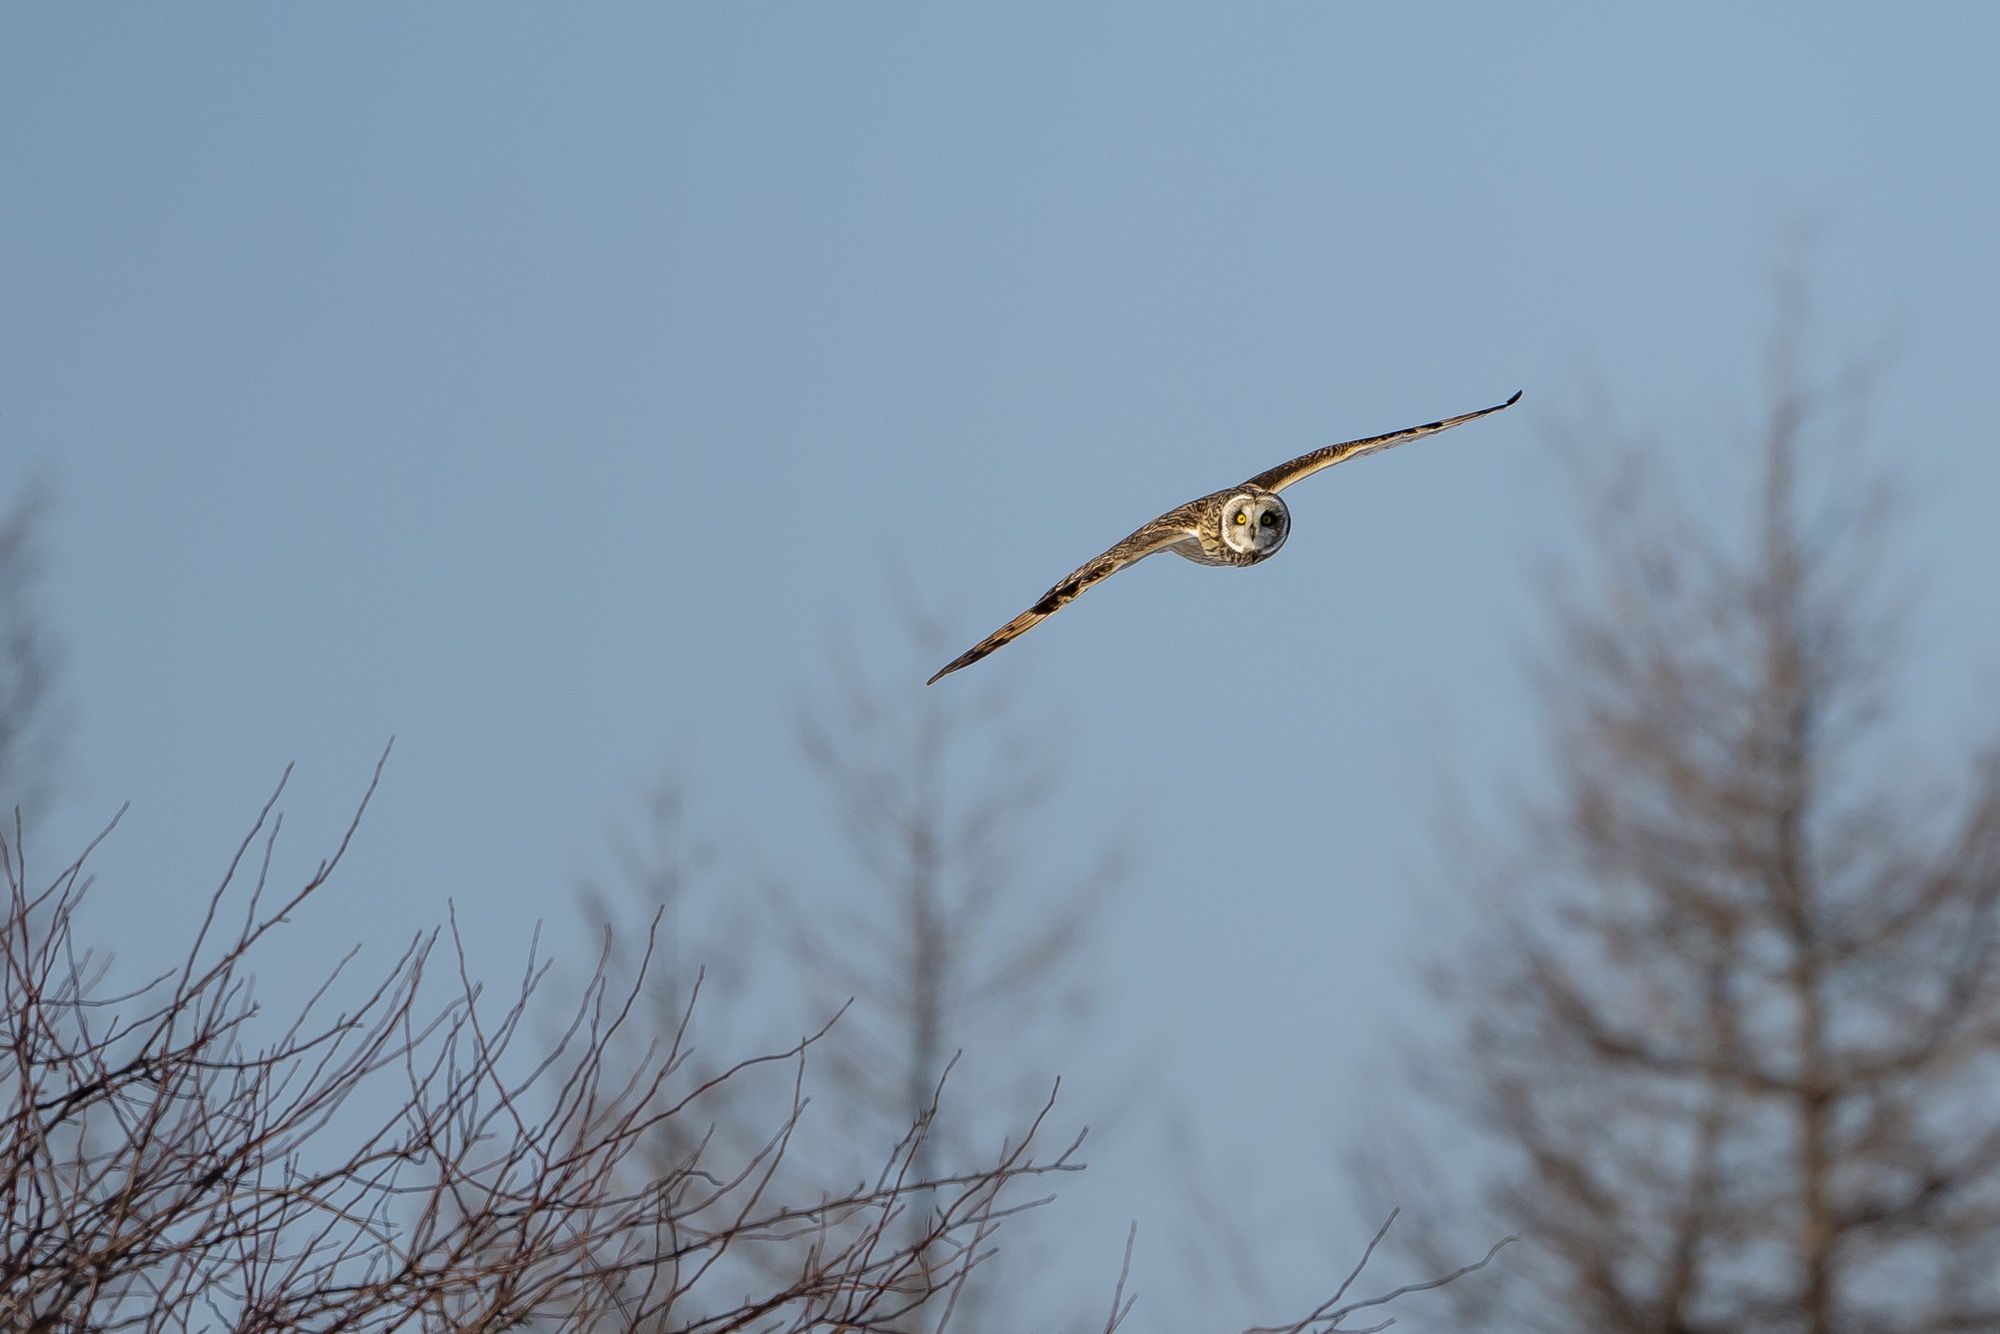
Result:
{"points": [[1512, 401]]}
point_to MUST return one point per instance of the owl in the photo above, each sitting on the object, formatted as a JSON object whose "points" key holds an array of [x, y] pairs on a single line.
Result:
{"points": [[1238, 526]]}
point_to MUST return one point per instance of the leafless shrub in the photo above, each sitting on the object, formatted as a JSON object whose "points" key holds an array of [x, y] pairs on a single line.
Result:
{"points": [[164, 1165]]}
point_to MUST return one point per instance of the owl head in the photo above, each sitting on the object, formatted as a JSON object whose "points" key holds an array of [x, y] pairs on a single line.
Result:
{"points": [[1254, 523]]}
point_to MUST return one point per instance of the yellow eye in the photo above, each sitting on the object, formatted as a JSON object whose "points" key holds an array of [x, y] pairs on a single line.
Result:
{"points": [[1241, 517]]}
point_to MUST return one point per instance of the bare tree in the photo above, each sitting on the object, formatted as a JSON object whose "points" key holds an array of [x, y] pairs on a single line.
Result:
{"points": [[670, 937], [1729, 1030], [952, 948], [940, 957], [29, 727]]}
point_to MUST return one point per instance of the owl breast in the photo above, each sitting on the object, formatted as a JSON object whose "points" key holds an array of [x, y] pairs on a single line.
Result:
{"points": [[1204, 550]]}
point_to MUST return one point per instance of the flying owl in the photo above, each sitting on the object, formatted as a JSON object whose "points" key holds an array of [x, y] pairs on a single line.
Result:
{"points": [[1241, 525]]}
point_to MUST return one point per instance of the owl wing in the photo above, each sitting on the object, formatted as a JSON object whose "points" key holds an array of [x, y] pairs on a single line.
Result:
{"points": [[1178, 525], [1305, 465]]}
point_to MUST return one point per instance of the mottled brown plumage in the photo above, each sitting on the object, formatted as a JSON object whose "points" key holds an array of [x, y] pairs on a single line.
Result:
{"points": [[1240, 525]]}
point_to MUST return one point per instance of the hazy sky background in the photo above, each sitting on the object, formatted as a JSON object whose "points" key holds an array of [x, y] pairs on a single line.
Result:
{"points": [[544, 386]]}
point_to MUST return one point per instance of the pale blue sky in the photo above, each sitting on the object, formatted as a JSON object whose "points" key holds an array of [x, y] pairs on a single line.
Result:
{"points": [[542, 386]]}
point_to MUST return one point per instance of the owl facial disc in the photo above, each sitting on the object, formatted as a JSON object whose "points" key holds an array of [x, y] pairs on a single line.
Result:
{"points": [[1255, 523]]}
